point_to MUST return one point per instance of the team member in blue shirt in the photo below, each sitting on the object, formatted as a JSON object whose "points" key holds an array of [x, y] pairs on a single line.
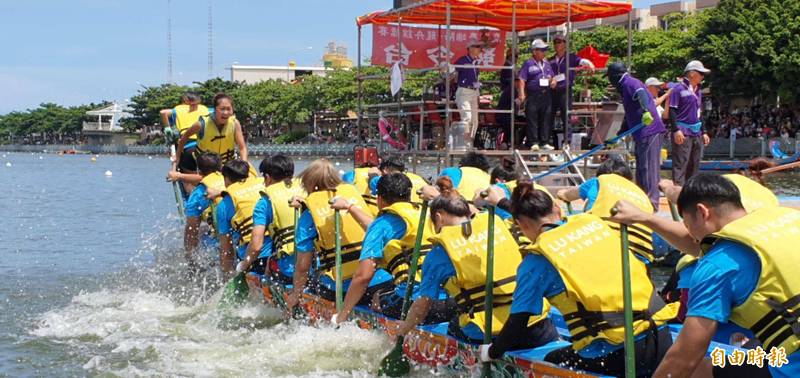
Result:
{"points": [[730, 275], [197, 204]]}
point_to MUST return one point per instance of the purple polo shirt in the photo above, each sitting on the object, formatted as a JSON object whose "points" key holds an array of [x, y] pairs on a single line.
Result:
{"points": [[687, 105], [633, 111], [559, 66], [467, 77], [532, 71]]}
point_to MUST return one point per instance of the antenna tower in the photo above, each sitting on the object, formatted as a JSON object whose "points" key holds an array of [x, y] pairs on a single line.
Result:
{"points": [[210, 44], [169, 42]]}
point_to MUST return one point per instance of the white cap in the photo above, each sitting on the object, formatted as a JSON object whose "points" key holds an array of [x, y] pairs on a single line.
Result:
{"points": [[696, 65], [653, 82], [538, 44], [475, 43]]}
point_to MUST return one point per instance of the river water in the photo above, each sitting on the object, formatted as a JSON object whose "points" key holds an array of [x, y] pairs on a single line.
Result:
{"points": [[91, 284]]}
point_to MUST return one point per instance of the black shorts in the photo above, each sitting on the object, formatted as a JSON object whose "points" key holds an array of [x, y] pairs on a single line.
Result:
{"points": [[330, 295], [440, 311], [188, 164], [538, 334]]}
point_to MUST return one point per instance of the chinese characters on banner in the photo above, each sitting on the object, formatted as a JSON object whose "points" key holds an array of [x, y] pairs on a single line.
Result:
{"points": [[422, 47]]}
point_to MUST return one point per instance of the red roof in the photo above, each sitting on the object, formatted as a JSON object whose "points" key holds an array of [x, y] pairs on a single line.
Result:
{"points": [[497, 13]]}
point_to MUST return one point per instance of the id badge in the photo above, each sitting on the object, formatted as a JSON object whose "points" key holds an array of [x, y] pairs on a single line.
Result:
{"points": [[544, 82], [560, 77], [698, 113]]}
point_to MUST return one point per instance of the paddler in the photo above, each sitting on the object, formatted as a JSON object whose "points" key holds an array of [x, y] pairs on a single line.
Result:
{"points": [[198, 207], [219, 132], [234, 213], [315, 232], [360, 177], [575, 263], [395, 164], [388, 243], [182, 117], [684, 113], [614, 182], [640, 109], [457, 263], [747, 275], [471, 175], [272, 244]]}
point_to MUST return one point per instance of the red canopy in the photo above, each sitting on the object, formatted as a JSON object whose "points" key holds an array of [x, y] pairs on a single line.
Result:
{"points": [[498, 13]]}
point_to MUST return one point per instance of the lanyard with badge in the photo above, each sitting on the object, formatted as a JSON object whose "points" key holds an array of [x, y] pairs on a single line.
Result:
{"points": [[543, 80], [696, 98], [560, 76]]}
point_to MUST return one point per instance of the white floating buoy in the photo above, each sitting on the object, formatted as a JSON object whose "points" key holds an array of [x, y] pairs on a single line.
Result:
{"points": [[8, 164], [108, 173], [150, 157], [93, 159], [41, 157]]}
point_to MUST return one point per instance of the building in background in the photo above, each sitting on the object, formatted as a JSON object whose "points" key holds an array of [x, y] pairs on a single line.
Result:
{"points": [[336, 57], [289, 73]]}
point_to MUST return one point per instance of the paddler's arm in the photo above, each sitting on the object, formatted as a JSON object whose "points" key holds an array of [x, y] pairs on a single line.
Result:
{"points": [[224, 214], [191, 178], [165, 114], [674, 233], [238, 137], [687, 354], [569, 194], [363, 218], [304, 245], [300, 278], [190, 239], [670, 190], [183, 139], [253, 248], [358, 286], [436, 270], [416, 314]]}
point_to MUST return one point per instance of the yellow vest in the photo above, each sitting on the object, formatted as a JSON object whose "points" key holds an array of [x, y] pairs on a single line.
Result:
{"points": [[245, 194], [218, 141], [417, 183], [771, 310], [352, 235], [213, 180], [282, 226], [586, 253], [612, 188], [468, 255], [184, 118], [361, 182], [397, 253], [754, 195], [472, 180]]}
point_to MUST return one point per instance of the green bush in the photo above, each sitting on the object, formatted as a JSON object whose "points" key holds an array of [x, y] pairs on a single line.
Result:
{"points": [[290, 137]]}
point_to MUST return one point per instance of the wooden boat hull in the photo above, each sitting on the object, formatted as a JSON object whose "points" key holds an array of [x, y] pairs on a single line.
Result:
{"points": [[426, 345]]}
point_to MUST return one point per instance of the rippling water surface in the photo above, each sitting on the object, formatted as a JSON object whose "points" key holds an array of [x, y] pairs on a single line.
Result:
{"points": [[91, 283]]}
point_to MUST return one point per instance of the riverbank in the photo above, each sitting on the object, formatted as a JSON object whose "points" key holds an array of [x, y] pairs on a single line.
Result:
{"points": [[720, 148]]}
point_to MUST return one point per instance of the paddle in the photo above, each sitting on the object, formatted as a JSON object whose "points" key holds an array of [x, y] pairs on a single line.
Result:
{"points": [[569, 208], [781, 167], [337, 224], [176, 187], [235, 291], [673, 210], [396, 364], [630, 353], [489, 289]]}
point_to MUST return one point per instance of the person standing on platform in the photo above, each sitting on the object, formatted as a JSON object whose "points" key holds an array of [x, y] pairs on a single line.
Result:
{"points": [[562, 92], [536, 83], [688, 134], [469, 89], [654, 86], [641, 109]]}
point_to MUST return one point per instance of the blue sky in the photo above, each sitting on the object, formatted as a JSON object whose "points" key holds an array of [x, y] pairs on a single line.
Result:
{"points": [[80, 51]]}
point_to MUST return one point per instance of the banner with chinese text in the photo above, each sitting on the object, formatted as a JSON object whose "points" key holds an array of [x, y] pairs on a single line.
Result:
{"points": [[422, 47]]}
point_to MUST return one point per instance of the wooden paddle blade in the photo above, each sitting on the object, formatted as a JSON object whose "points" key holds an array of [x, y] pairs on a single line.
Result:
{"points": [[395, 364]]}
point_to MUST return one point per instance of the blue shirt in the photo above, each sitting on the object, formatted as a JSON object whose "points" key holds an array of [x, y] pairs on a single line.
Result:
{"points": [[468, 77], [723, 279], [349, 177], [588, 192], [197, 202], [502, 213], [262, 216], [373, 185], [224, 214], [304, 241], [384, 228]]}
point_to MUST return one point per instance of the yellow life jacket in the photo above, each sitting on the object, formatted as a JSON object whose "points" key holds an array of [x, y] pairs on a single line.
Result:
{"points": [[215, 181], [185, 118], [586, 253], [612, 188], [220, 142], [397, 253], [282, 226], [771, 310], [472, 180], [754, 195], [684, 262], [361, 182], [245, 194], [417, 183], [352, 235], [521, 239], [468, 255]]}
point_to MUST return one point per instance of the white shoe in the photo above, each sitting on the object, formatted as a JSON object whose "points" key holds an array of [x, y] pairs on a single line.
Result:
{"points": [[548, 147], [535, 147]]}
